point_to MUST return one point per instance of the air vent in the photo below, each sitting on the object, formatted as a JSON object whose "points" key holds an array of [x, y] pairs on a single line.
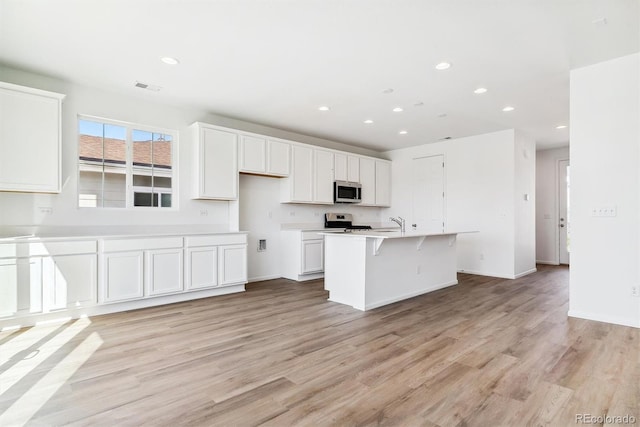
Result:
{"points": [[146, 86]]}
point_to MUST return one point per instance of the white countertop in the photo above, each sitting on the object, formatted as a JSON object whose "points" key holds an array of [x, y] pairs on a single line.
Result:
{"points": [[393, 234], [29, 234]]}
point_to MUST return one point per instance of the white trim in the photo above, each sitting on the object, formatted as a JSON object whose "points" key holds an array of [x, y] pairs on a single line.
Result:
{"points": [[410, 295], [525, 273], [547, 262], [97, 310], [616, 320]]}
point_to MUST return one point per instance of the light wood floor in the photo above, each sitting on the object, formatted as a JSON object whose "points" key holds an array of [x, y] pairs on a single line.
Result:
{"points": [[488, 352]]}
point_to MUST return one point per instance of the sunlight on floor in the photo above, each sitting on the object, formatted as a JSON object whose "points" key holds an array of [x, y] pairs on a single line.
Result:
{"points": [[37, 395], [29, 362]]}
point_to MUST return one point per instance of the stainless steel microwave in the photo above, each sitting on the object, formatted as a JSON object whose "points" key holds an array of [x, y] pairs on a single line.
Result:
{"points": [[347, 192]]}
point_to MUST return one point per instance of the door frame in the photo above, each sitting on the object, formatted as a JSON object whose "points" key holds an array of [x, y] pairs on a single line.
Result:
{"points": [[557, 206]]}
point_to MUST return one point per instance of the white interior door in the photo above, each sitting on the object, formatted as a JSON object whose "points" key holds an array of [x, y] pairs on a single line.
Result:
{"points": [[563, 211], [428, 193]]}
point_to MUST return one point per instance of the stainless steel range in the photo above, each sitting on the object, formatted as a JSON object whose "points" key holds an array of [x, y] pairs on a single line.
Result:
{"points": [[342, 220]]}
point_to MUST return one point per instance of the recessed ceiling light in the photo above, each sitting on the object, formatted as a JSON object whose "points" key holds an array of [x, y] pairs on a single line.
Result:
{"points": [[442, 116], [398, 110], [480, 90], [443, 66], [323, 108], [403, 132], [368, 121], [387, 91], [169, 60], [561, 126], [508, 108]]}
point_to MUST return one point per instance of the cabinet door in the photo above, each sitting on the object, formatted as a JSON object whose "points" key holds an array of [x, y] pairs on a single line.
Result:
{"points": [[20, 286], [368, 181], [70, 281], [218, 164], [232, 264], [340, 167], [123, 276], [253, 154], [383, 183], [29, 139], [312, 256], [278, 158], [202, 268], [323, 176], [164, 271], [353, 169], [301, 178]]}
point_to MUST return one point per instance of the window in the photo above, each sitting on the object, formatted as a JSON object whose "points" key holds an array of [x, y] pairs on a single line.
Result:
{"points": [[123, 165]]}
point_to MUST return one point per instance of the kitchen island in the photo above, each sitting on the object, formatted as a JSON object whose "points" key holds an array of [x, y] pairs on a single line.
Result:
{"points": [[369, 269]]}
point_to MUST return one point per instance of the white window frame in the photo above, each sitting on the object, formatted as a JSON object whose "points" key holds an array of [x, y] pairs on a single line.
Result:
{"points": [[130, 126]]}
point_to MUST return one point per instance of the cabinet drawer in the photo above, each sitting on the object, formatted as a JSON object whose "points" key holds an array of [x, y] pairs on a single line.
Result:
{"points": [[215, 240], [119, 245], [63, 248], [312, 235]]}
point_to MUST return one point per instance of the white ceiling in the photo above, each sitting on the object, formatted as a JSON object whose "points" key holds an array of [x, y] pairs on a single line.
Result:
{"points": [[275, 62]]}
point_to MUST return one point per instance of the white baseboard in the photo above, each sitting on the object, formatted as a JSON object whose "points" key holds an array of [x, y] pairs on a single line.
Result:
{"points": [[262, 278], [519, 275], [410, 295], [598, 317], [547, 262]]}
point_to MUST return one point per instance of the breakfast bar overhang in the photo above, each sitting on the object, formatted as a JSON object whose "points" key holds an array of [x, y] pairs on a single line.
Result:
{"points": [[369, 269]]}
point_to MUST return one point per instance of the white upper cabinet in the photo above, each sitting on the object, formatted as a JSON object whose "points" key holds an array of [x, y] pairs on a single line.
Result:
{"points": [[375, 177], [323, 176], [347, 167], [298, 188], [30, 139], [253, 154], [216, 163], [368, 181], [262, 156], [383, 183], [278, 155]]}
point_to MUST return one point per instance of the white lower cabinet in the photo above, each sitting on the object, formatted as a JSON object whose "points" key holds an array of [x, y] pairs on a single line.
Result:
{"points": [[202, 267], [232, 263], [41, 279], [20, 286], [312, 256], [164, 271], [70, 281], [123, 276], [302, 254]]}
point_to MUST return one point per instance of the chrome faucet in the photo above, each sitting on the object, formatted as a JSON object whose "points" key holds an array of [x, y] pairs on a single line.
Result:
{"points": [[399, 221]]}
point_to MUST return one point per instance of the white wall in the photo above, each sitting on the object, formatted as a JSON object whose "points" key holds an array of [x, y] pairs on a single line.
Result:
{"points": [[480, 186], [547, 243], [22, 209], [605, 160], [263, 216], [525, 210]]}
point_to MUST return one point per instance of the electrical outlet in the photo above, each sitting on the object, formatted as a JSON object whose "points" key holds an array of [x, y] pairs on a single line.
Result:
{"points": [[46, 210], [418, 270], [262, 245], [635, 291], [204, 212], [292, 213], [481, 257]]}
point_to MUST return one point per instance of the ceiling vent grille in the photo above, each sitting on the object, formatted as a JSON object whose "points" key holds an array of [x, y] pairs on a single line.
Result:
{"points": [[146, 86]]}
